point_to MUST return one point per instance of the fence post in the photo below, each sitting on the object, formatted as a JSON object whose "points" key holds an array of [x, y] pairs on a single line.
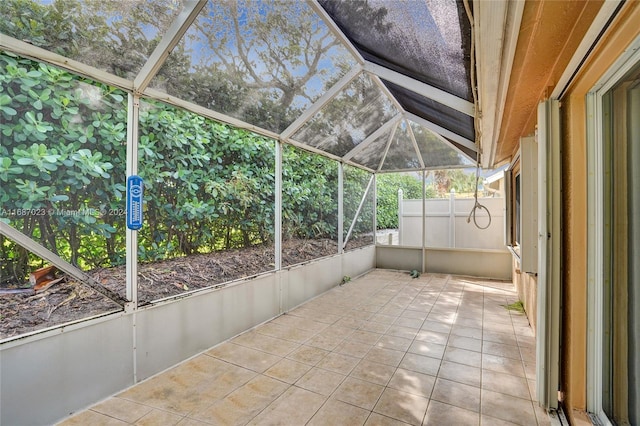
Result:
{"points": [[452, 218], [400, 216]]}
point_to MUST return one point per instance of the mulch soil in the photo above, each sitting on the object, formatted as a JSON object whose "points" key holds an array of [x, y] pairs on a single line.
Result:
{"points": [[70, 300]]}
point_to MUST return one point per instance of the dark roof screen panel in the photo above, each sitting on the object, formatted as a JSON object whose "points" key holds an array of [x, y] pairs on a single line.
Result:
{"points": [[428, 40], [444, 116]]}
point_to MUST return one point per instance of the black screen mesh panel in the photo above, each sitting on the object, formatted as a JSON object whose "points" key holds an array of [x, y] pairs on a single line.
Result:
{"points": [[428, 40], [444, 116]]}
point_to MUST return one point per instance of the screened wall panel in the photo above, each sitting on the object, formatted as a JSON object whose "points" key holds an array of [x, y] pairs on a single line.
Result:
{"points": [[114, 36], [263, 62], [209, 202], [309, 206], [395, 210], [355, 113], [62, 175], [358, 207]]}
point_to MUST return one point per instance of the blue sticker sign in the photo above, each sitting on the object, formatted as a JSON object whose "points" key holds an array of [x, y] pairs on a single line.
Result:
{"points": [[134, 202]]}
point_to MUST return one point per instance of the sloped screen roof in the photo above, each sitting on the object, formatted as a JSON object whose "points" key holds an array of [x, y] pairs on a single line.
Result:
{"points": [[427, 40], [423, 39], [380, 84]]}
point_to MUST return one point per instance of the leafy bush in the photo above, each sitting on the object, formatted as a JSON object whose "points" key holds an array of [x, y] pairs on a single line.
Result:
{"points": [[388, 185], [208, 186]]}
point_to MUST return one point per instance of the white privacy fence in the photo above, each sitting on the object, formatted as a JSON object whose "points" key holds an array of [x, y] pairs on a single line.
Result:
{"points": [[445, 223]]}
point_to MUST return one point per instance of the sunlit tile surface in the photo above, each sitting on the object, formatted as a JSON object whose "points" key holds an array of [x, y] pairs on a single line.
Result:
{"points": [[383, 349]]}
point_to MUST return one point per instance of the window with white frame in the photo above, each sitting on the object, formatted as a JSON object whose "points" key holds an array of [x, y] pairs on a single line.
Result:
{"points": [[614, 246], [521, 204]]}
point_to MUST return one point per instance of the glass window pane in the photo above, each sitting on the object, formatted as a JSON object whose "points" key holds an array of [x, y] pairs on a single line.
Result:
{"points": [[402, 153], [309, 206], [260, 61], [390, 217], [349, 118], [62, 175], [620, 352], [114, 36], [209, 202]]}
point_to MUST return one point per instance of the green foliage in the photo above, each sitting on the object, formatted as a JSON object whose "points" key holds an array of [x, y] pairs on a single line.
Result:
{"points": [[388, 185], [446, 180], [62, 148], [309, 195], [208, 186], [414, 273], [517, 306]]}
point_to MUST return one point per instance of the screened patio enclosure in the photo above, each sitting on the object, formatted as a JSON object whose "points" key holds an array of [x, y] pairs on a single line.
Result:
{"points": [[254, 125], [219, 107]]}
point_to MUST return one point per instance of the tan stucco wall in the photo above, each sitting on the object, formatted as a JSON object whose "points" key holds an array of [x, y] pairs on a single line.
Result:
{"points": [[574, 164], [527, 287], [550, 32]]}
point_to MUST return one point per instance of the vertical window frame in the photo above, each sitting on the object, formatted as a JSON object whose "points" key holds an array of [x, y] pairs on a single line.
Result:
{"points": [[597, 217]]}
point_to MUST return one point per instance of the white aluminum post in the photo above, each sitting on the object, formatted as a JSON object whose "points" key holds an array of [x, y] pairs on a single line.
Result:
{"points": [[424, 220], [375, 210], [277, 232], [400, 214], [340, 208], [452, 218], [133, 109]]}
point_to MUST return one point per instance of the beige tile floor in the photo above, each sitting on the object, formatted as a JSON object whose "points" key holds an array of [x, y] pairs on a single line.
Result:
{"points": [[383, 349]]}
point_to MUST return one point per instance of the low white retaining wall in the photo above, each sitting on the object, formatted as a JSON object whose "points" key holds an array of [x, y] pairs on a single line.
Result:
{"points": [[483, 263], [48, 376]]}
